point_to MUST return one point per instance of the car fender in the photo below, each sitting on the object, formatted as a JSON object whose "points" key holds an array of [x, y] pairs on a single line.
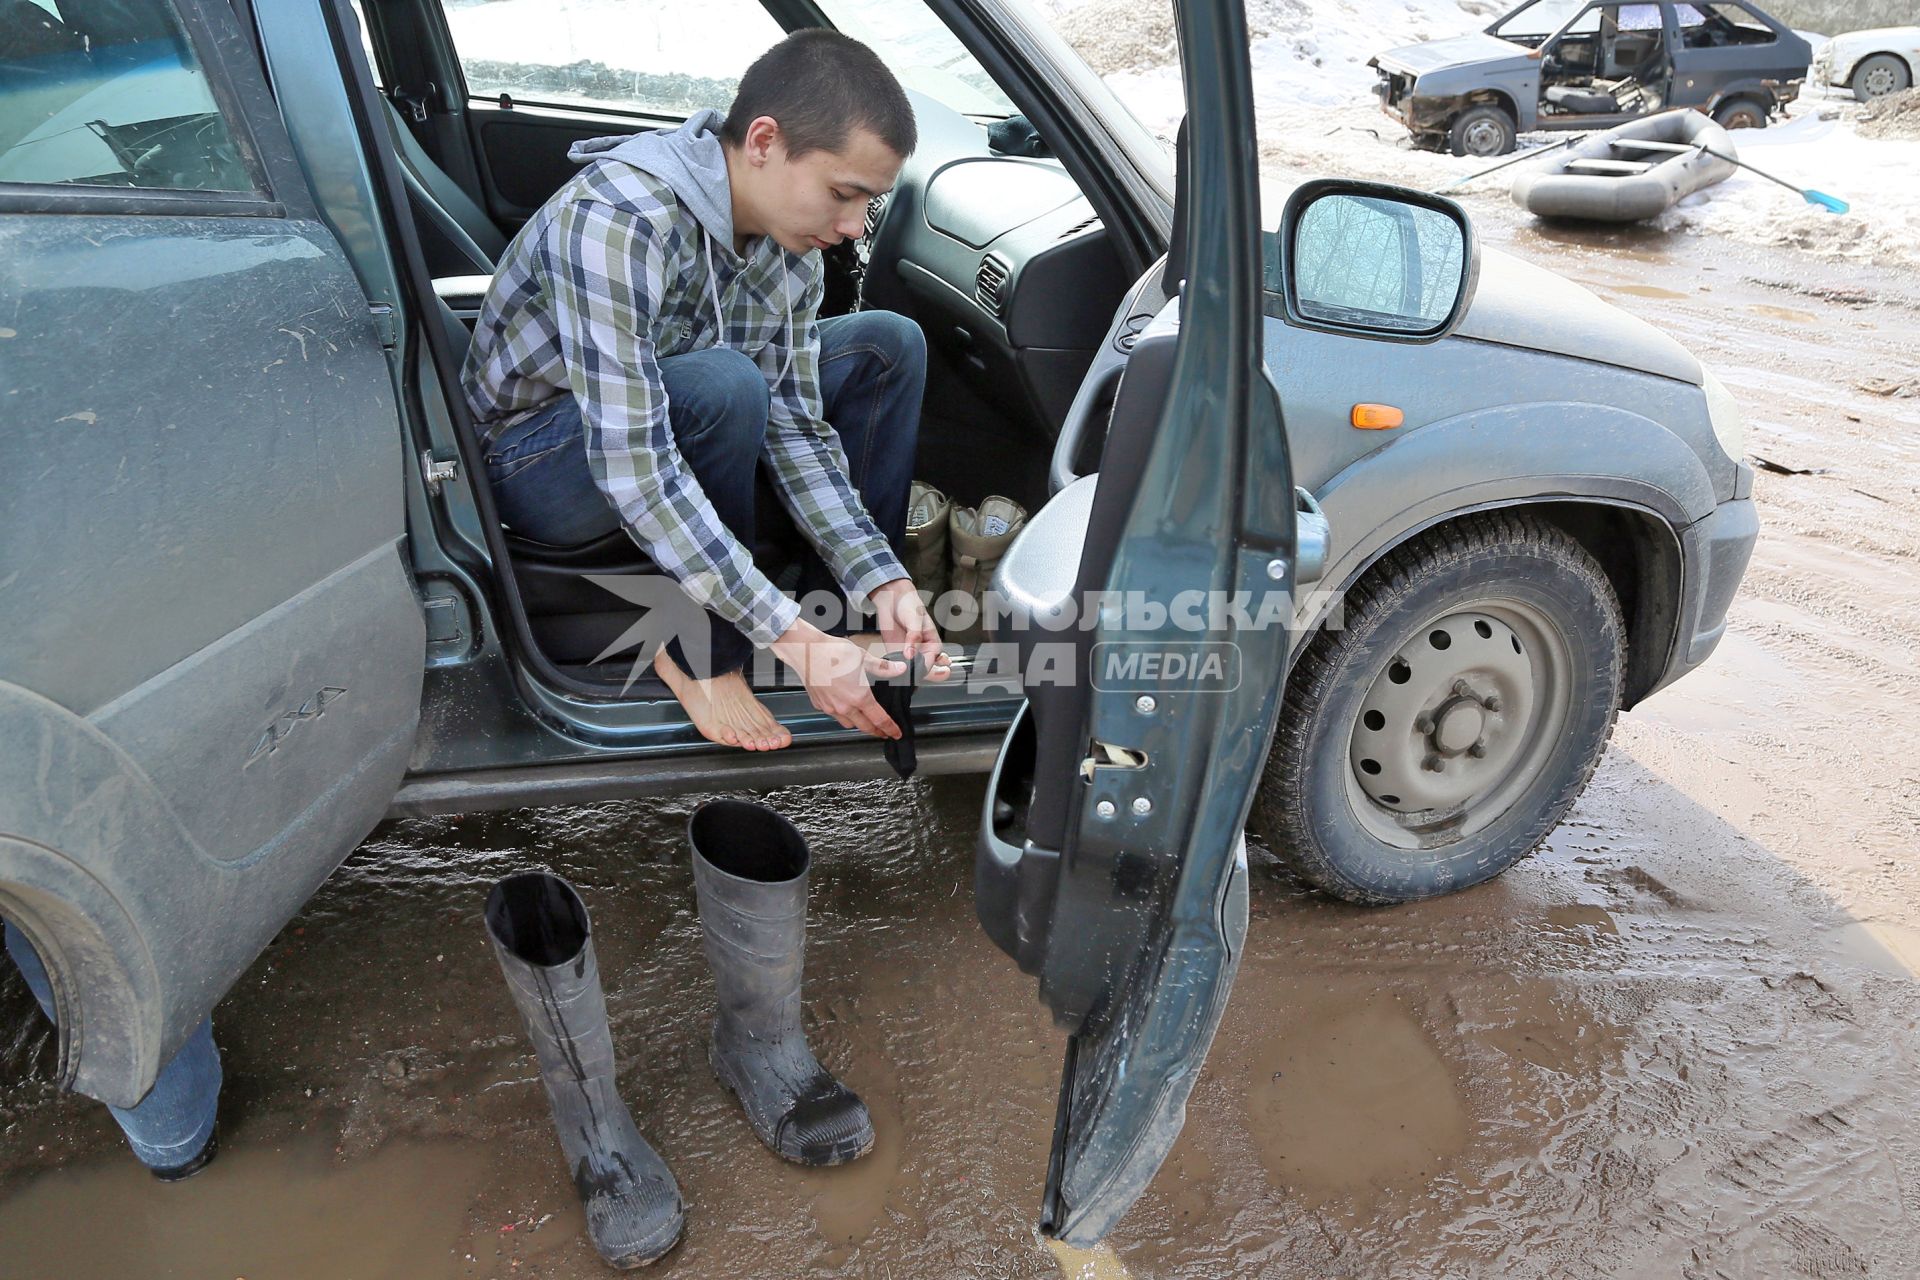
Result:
{"points": [[1516, 89], [68, 796], [1503, 458], [1752, 87]]}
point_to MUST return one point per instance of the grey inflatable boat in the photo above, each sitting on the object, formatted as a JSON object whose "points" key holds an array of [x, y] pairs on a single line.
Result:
{"points": [[1630, 172]]}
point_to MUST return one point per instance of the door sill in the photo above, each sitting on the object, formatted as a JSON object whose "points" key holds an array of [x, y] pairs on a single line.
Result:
{"points": [[648, 777]]}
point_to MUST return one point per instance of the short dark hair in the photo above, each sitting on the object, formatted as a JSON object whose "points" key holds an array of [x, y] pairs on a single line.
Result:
{"points": [[819, 85]]}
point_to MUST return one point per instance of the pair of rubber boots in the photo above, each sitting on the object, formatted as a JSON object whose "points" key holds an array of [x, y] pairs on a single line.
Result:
{"points": [[950, 547], [750, 874]]}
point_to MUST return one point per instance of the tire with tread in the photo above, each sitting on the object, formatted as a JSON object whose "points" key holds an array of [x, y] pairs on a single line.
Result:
{"points": [[1305, 807], [1483, 131], [1879, 75], [1741, 113]]}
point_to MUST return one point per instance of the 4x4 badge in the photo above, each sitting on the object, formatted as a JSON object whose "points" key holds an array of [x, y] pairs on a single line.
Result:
{"points": [[312, 709]]}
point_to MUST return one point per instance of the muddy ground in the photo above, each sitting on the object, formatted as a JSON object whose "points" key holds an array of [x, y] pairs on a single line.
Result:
{"points": [[1678, 1041]]}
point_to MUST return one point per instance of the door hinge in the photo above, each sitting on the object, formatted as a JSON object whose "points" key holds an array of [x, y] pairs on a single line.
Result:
{"points": [[386, 324], [436, 473]]}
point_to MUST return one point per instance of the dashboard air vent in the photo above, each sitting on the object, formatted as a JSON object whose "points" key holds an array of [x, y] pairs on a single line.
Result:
{"points": [[991, 280]]}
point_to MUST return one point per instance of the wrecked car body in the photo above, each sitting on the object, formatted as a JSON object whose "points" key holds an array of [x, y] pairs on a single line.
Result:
{"points": [[1570, 64]]}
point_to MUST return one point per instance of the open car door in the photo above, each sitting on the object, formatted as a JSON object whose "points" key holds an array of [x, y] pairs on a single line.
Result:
{"points": [[1112, 863]]}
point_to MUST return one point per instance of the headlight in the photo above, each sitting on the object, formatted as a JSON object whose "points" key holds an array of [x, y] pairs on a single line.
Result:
{"points": [[1723, 413]]}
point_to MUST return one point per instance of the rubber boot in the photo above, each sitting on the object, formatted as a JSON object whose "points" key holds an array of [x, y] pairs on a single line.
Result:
{"points": [[544, 942], [750, 873], [927, 513], [978, 539]]}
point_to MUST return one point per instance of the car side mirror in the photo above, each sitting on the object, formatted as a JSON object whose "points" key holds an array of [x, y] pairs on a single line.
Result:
{"points": [[1373, 259]]}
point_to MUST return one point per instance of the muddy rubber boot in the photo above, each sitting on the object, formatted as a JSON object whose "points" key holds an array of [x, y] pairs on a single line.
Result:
{"points": [[978, 539], [927, 513], [544, 943], [750, 873]]}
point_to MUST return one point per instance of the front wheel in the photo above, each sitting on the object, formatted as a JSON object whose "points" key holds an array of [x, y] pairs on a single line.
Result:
{"points": [[1740, 113], [1436, 738], [1482, 131]]}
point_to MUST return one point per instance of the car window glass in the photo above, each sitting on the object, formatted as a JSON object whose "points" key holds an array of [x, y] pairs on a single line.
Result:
{"points": [[1705, 25], [662, 57], [1639, 17], [1536, 21], [110, 96], [366, 45], [918, 48]]}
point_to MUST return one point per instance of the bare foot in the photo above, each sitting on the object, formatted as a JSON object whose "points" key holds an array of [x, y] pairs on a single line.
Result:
{"points": [[724, 709]]}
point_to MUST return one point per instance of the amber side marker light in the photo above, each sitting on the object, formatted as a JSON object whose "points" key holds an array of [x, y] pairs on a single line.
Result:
{"points": [[1376, 417]]}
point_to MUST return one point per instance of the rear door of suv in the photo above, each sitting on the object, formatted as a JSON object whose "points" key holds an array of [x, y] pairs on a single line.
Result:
{"points": [[210, 645]]}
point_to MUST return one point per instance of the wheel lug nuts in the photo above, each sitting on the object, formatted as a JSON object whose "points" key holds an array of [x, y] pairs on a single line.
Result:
{"points": [[1491, 702], [1433, 764], [1462, 688], [1423, 723], [1477, 750]]}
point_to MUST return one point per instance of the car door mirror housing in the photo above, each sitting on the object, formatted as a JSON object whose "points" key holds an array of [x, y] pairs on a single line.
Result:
{"points": [[1376, 260]]}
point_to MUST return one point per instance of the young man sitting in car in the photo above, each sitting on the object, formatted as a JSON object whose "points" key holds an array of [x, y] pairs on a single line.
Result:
{"points": [[651, 340]]}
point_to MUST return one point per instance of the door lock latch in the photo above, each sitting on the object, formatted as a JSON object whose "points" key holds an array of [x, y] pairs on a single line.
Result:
{"points": [[436, 473]]}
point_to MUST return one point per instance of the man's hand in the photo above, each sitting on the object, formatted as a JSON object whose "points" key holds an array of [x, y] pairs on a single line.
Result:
{"points": [[908, 627], [836, 672]]}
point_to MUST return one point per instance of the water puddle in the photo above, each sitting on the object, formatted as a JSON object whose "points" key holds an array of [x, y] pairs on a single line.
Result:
{"points": [[1880, 945], [1783, 313], [283, 1212], [1650, 291], [853, 1196], [1355, 1102], [1583, 920], [1099, 1263]]}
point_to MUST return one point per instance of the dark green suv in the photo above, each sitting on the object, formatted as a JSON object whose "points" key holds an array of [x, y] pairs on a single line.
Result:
{"points": [[254, 595]]}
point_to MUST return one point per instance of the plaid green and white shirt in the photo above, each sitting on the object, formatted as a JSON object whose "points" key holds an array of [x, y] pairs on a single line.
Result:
{"points": [[615, 274]]}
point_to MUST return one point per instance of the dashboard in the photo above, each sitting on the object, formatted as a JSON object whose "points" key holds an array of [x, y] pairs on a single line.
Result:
{"points": [[1004, 263]]}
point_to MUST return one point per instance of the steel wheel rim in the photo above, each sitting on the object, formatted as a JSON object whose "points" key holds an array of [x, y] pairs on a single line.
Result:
{"points": [[1483, 137], [1499, 651], [1879, 81]]}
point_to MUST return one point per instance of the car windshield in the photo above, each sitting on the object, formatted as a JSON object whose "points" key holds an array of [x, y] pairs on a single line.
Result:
{"points": [[919, 49], [1537, 20]]}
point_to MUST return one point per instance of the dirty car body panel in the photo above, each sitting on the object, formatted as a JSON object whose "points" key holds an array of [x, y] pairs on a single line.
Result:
{"points": [[210, 670]]}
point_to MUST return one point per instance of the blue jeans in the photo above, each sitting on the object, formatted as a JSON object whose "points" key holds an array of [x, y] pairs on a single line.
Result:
{"points": [[168, 1127], [873, 370]]}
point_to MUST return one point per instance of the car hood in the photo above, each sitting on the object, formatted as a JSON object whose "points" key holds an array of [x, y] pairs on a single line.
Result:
{"points": [[1460, 51], [1853, 45], [1520, 305]]}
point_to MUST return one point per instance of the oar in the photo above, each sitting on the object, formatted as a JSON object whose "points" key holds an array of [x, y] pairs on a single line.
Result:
{"points": [[1524, 155], [1833, 204]]}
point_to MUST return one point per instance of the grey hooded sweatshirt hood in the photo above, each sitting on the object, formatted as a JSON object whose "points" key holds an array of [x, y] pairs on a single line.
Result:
{"points": [[688, 159]]}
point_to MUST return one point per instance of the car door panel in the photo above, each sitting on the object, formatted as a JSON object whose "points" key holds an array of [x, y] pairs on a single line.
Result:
{"points": [[210, 646], [522, 152], [1118, 875]]}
